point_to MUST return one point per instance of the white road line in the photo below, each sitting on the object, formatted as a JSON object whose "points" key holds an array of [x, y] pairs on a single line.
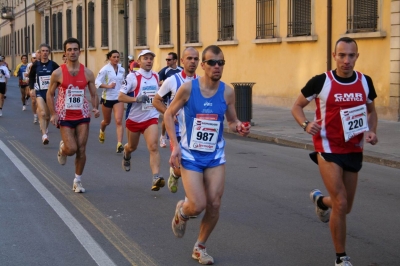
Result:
{"points": [[91, 246]]}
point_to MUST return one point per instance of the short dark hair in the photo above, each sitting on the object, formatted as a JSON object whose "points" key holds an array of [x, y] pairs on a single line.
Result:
{"points": [[44, 45], [71, 40], [346, 40], [24, 55], [212, 48], [109, 54], [174, 55]]}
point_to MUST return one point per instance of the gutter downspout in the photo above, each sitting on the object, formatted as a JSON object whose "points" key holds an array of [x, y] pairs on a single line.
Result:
{"points": [[51, 30], [329, 37], [86, 33], [178, 24]]}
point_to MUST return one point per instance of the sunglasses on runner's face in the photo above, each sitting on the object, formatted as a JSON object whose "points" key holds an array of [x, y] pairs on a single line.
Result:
{"points": [[168, 59], [212, 62], [33, 57]]}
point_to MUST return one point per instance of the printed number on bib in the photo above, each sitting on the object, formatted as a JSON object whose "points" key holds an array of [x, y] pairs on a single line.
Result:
{"points": [[150, 91], [74, 98], [354, 121], [204, 135], [44, 82]]}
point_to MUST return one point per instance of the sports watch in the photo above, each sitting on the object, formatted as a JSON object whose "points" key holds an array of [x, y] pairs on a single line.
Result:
{"points": [[305, 124]]}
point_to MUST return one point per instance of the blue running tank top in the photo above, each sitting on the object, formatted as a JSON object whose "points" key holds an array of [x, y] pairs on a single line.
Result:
{"points": [[202, 124]]}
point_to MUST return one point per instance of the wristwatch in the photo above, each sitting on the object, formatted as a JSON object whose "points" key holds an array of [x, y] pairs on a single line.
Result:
{"points": [[305, 124]]}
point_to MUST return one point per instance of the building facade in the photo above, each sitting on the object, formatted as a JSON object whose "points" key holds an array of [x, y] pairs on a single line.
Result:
{"points": [[278, 44]]}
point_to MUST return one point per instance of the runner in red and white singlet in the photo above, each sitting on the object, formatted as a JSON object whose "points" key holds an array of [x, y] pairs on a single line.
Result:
{"points": [[73, 114], [345, 117]]}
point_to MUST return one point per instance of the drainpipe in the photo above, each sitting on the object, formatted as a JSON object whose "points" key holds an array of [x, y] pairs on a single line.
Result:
{"points": [[86, 33], [51, 30], [178, 24], [329, 37], [126, 35]]}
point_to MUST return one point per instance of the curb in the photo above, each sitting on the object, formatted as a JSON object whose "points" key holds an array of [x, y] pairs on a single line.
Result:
{"points": [[370, 157]]}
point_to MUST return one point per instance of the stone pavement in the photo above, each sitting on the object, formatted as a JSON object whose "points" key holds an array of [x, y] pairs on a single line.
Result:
{"points": [[277, 125]]}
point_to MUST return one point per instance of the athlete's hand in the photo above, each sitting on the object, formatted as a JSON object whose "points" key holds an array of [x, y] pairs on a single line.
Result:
{"points": [[54, 119], [314, 127], [142, 98], [370, 137], [243, 128], [96, 112], [176, 155], [112, 85]]}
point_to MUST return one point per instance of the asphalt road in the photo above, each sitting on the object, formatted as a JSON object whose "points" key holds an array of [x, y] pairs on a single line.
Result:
{"points": [[266, 216]]}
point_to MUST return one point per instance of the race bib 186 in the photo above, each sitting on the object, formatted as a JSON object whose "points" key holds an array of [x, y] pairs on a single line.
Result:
{"points": [[74, 98], [354, 121]]}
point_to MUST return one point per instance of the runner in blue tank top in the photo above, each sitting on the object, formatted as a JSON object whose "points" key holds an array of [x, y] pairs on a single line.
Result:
{"points": [[200, 154]]}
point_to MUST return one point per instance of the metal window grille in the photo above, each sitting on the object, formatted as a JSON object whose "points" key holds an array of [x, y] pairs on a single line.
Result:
{"points": [[69, 23], [23, 40], [60, 30], [265, 19], [21, 43], [192, 21], [27, 40], [33, 37], [225, 20], [18, 45], [104, 23], [141, 38], [79, 33], [54, 32], [165, 21], [91, 24], [47, 29], [299, 18], [362, 15]]}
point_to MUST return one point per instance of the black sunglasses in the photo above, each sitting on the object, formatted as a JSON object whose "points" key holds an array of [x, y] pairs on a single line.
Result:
{"points": [[169, 59], [213, 62]]}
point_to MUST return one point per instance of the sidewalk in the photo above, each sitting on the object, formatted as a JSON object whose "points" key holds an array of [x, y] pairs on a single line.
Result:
{"points": [[277, 125]]}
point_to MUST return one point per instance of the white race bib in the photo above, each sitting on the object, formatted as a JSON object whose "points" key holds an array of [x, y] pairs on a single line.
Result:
{"points": [[74, 99], [204, 135], [354, 121], [44, 82], [150, 91]]}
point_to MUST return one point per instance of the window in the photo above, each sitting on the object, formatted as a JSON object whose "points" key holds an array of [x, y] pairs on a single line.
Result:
{"points": [[165, 22], [299, 18], [265, 11], [27, 40], [33, 38], [141, 23], [54, 32], [60, 30], [69, 23], [225, 20], [91, 24], [192, 21], [362, 15], [23, 40], [104, 23], [47, 29], [79, 34], [18, 44]]}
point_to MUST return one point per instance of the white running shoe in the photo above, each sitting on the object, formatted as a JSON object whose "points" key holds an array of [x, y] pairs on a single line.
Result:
{"points": [[323, 215], [163, 141], [200, 254], [62, 159], [178, 222], [23, 108], [45, 139], [35, 119], [77, 187], [345, 261]]}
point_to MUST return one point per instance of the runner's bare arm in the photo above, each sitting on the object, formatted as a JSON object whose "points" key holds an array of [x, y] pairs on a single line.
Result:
{"points": [[370, 136], [55, 81], [313, 127], [158, 103], [93, 93], [181, 97], [234, 123]]}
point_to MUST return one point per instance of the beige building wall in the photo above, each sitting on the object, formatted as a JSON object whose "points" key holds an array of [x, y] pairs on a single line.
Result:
{"points": [[280, 67]]}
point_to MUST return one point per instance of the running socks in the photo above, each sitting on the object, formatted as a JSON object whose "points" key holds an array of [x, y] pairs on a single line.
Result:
{"points": [[338, 256], [199, 243], [77, 178], [321, 205]]}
